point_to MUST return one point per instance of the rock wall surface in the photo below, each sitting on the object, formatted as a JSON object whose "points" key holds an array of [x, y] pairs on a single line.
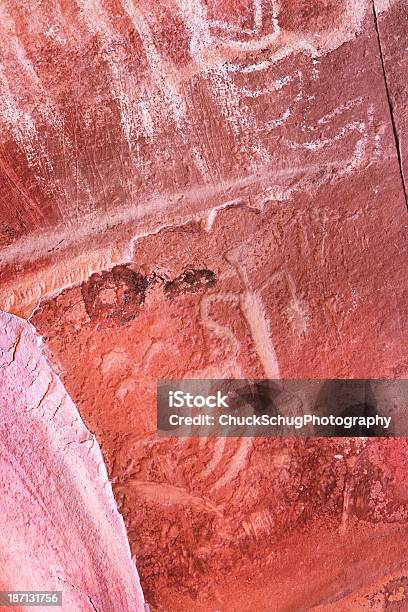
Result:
{"points": [[60, 528], [205, 189], [392, 28]]}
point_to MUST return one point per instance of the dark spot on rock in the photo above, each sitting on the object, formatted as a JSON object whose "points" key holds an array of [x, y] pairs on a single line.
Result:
{"points": [[360, 410], [190, 281], [9, 234], [115, 296], [395, 592], [261, 395]]}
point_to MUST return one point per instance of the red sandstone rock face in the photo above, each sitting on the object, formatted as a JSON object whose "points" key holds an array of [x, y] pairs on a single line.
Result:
{"points": [[173, 111], [221, 504], [61, 530], [204, 189], [392, 25]]}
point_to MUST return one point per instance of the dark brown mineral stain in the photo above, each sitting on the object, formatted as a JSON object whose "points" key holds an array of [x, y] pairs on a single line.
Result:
{"points": [[115, 296], [190, 281]]}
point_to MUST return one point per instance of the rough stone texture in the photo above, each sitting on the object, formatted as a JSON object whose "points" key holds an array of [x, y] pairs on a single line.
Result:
{"points": [[60, 528], [173, 111], [392, 26], [215, 190]]}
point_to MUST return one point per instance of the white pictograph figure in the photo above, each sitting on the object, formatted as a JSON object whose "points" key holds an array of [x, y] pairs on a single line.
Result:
{"points": [[258, 99], [263, 34], [238, 85]]}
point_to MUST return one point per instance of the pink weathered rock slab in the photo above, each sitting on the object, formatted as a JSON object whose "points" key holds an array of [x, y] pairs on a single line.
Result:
{"points": [[60, 527]]}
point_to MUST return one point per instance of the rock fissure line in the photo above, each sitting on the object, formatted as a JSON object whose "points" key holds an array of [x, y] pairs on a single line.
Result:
{"points": [[390, 106], [92, 604]]}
